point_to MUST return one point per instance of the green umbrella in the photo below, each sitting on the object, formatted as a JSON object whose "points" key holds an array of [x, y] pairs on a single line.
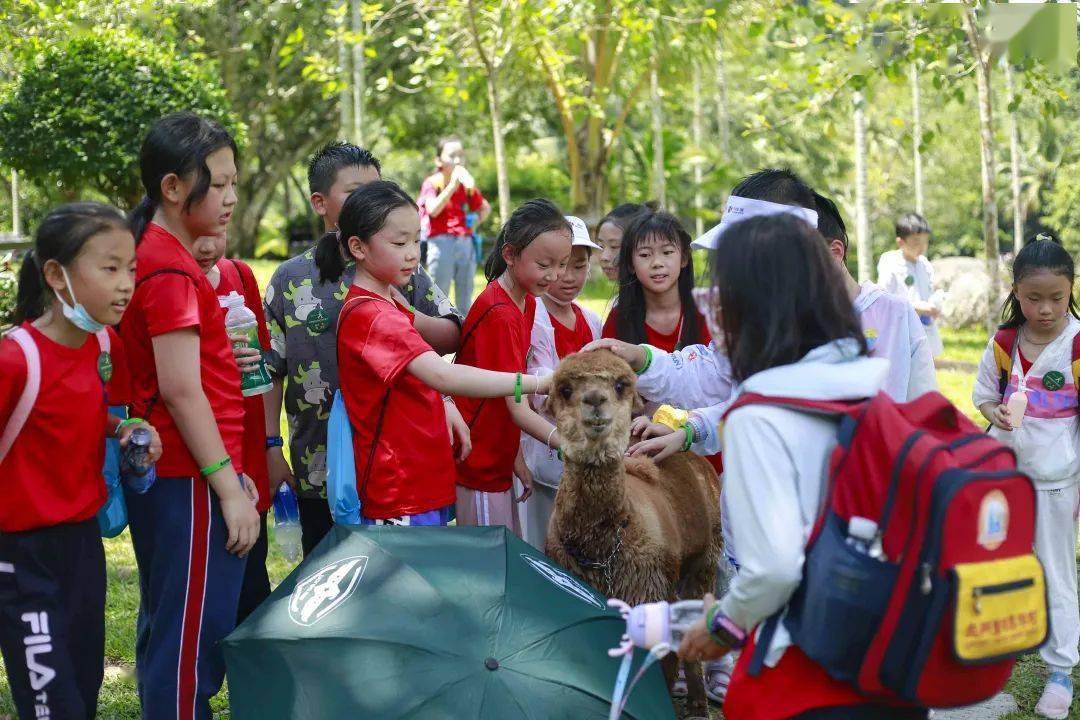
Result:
{"points": [[468, 623]]}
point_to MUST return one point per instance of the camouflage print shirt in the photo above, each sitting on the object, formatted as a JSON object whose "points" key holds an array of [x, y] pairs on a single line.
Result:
{"points": [[302, 313]]}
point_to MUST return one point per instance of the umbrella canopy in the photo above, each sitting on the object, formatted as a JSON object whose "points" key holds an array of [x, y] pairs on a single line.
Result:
{"points": [[430, 622]]}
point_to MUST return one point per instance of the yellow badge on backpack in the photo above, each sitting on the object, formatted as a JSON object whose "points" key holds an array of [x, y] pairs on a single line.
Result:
{"points": [[1000, 609]]}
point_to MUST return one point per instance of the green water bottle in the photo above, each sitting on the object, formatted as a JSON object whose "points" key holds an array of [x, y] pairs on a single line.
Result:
{"points": [[241, 321]]}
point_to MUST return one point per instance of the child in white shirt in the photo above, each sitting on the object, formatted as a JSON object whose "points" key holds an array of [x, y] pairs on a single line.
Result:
{"points": [[906, 272]]}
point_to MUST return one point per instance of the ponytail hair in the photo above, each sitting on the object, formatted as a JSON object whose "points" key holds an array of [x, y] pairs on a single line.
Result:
{"points": [[363, 214], [60, 237], [531, 219], [1044, 252], [177, 144]]}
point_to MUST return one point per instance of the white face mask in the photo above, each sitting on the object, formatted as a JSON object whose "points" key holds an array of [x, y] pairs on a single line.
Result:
{"points": [[78, 315]]}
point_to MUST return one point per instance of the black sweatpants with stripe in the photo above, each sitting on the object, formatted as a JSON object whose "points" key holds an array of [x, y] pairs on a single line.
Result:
{"points": [[52, 619]]}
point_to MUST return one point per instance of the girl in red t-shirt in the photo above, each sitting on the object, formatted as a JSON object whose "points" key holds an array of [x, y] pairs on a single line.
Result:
{"points": [[192, 530], [656, 277], [56, 382], [530, 254], [227, 276], [391, 379]]}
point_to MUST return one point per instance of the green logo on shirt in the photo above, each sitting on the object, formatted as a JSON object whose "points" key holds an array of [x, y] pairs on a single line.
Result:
{"points": [[317, 321], [909, 280], [1053, 380], [104, 367]]}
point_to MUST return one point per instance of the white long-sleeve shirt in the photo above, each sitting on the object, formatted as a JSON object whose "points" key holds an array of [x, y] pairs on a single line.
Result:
{"points": [[894, 272], [1046, 441], [894, 332], [775, 467]]}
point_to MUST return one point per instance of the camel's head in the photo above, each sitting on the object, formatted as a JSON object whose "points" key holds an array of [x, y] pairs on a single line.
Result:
{"points": [[593, 399]]}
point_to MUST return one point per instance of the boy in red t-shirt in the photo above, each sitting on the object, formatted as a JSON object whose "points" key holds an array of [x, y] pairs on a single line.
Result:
{"points": [[447, 198], [226, 276]]}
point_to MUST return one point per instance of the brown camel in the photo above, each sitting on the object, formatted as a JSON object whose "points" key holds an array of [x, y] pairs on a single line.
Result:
{"points": [[634, 530]]}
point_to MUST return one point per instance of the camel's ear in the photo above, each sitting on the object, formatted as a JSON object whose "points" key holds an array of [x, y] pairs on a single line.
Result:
{"points": [[639, 404]]}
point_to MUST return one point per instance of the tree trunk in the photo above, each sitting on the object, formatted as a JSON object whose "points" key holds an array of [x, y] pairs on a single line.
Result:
{"points": [[16, 222], [345, 95], [659, 187], [916, 137], [696, 131], [502, 173], [359, 73], [986, 137], [862, 226], [723, 124], [1014, 163]]}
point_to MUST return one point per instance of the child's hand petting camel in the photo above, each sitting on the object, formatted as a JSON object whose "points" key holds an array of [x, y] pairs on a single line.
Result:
{"points": [[634, 355]]}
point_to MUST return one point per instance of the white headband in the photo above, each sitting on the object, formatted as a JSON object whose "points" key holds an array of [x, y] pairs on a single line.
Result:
{"points": [[740, 208]]}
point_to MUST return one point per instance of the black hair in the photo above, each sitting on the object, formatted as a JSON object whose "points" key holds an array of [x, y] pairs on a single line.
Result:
{"points": [[780, 186], [179, 144], [1044, 252], [910, 224], [60, 237], [778, 295], [443, 142], [363, 214], [330, 158], [622, 215], [630, 320], [829, 221], [530, 220]]}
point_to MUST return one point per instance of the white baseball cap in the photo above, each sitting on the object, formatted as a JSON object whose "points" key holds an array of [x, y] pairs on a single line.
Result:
{"points": [[740, 208], [580, 233]]}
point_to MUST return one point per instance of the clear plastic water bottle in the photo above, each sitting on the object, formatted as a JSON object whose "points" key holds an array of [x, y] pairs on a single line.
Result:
{"points": [[861, 534], [287, 523], [239, 320], [650, 624], [136, 470]]}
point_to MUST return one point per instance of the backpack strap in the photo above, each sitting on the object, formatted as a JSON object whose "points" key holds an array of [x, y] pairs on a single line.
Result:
{"points": [[1004, 348], [850, 408], [346, 309], [1076, 362], [243, 280], [30, 390]]}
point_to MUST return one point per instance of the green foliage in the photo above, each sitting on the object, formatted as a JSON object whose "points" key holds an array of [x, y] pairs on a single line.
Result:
{"points": [[78, 112], [8, 286]]}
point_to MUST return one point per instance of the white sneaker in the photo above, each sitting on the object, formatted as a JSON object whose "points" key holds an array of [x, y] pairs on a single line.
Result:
{"points": [[718, 676], [1056, 698]]}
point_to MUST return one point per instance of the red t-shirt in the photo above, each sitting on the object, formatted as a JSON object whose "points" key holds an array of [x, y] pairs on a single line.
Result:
{"points": [[236, 276], [1025, 364], [666, 342], [570, 340], [52, 474], [451, 221], [495, 336], [180, 297], [412, 469]]}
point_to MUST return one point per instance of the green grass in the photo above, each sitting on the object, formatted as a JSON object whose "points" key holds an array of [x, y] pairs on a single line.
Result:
{"points": [[119, 701]]}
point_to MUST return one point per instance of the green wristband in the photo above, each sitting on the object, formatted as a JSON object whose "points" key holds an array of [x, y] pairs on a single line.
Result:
{"points": [[517, 389], [213, 468], [689, 430], [648, 360]]}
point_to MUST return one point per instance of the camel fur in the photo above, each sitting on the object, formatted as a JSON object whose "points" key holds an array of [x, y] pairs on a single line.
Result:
{"points": [[633, 529]]}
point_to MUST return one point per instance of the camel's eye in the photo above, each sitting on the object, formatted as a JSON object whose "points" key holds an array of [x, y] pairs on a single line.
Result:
{"points": [[566, 391], [620, 387]]}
